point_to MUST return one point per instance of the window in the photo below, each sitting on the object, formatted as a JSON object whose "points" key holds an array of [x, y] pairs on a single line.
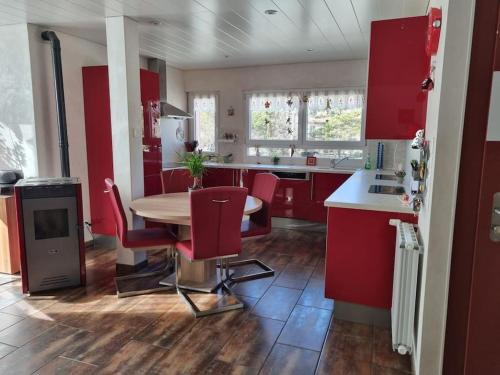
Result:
{"points": [[326, 122], [274, 117], [334, 116], [203, 106]]}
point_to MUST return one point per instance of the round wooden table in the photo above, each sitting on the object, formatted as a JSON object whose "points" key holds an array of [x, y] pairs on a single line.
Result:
{"points": [[175, 208]]}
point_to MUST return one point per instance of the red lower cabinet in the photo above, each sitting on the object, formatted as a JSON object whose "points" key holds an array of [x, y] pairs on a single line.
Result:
{"points": [[322, 186], [304, 199], [292, 199], [360, 256], [220, 177]]}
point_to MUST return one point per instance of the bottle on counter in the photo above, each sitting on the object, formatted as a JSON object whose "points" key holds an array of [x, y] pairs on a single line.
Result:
{"points": [[368, 163]]}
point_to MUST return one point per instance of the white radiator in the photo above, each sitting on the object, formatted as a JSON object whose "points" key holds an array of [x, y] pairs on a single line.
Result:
{"points": [[404, 290]]}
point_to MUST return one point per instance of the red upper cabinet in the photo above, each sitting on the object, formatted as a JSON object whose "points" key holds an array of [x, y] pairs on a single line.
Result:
{"points": [[150, 100], [396, 105]]}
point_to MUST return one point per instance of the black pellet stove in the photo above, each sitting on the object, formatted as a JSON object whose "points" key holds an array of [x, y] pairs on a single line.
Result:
{"points": [[50, 225], [49, 212]]}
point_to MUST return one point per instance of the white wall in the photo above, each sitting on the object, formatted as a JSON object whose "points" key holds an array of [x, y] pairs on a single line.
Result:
{"points": [[76, 53], [230, 83], [445, 111], [18, 149]]}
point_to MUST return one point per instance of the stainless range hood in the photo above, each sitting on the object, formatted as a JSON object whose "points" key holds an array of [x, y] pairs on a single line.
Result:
{"points": [[167, 110]]}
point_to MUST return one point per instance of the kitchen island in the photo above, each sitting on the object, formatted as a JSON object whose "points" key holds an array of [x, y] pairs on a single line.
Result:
{"points": [[361, 245]]}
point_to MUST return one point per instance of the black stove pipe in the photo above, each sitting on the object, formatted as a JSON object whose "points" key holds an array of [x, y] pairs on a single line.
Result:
{"points": [[60, 106]]}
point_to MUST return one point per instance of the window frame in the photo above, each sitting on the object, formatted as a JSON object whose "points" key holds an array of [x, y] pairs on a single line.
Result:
{"points": [[192, 126], [302, 141], [271, 143]]}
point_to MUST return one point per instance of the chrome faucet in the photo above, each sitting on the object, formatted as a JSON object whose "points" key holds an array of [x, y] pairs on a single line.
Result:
{"points": [[335, 162]]}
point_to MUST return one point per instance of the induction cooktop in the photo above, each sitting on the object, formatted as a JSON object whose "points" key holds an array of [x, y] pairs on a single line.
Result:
{"points": [[383, 189]]}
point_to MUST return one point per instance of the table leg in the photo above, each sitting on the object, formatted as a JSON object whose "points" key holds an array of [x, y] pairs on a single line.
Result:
{"points": [[199, 275]]}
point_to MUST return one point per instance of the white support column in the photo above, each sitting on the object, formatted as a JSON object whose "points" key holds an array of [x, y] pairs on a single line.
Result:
{"points": [[124, 91]]}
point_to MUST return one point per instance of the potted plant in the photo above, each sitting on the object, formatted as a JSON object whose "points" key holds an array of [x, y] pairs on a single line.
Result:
{"points": [[193, 161], [275, 159]]}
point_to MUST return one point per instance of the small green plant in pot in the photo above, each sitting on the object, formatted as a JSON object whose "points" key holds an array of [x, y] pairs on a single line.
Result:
{"points": [[193, 161], [276, 160]]}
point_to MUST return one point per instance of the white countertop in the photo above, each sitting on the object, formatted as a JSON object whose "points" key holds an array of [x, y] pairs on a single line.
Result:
{"points": [[354, 194], [272, 167]]}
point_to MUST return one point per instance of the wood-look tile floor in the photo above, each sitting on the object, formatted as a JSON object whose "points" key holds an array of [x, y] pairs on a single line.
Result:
{"points": [[287, 326]]}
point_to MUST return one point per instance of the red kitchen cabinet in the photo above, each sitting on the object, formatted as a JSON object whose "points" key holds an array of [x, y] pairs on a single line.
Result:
{"points": [[248, 176], [99, 148], [396, 106], [220, 177], [322, 186], [360, 250], [304, 199], [150, 101], [152, 185], [300, 199], [151, 140], [292, 199], [99, 142]]}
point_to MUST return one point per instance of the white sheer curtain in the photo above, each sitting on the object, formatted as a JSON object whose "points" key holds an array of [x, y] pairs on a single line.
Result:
{"points": [[203, 106], [273, 116], [339, 99]]}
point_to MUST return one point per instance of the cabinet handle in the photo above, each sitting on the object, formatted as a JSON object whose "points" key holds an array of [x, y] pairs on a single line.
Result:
{"points": [[312, 186]]}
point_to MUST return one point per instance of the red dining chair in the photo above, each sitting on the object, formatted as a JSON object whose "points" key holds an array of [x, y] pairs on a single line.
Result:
{"points": [[136, 240], [216, 214], [259, 224], [175, 180]]}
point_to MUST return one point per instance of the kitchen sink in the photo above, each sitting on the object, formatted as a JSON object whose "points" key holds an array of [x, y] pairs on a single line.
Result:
{"points": [[384, 189], [389, 177]]}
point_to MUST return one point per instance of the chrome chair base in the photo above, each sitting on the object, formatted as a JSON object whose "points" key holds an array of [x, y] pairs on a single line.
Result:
{"points": [[219, 309], [224, 276], [267, 271], [149, 285], [145, 283]]}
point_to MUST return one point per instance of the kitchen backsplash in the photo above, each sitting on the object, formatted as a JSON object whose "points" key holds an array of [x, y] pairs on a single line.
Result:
{"points": [[395, 153]]}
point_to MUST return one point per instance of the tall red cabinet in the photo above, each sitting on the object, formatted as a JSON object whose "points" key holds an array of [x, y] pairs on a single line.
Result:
{"points": [[99, 143], [396, 106]]}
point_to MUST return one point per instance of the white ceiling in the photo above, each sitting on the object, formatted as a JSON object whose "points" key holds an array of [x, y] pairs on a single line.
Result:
{"points": [[192, 34]]}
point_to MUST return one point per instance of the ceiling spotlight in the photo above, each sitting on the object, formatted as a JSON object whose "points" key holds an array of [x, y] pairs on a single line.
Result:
{"points": [[309, 50], [270, 11]]}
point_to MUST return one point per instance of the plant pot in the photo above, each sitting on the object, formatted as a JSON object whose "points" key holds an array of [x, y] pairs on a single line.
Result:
{"points": [[197, 184]]}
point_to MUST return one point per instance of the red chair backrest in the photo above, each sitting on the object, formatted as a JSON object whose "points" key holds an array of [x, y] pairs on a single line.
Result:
{"points": [[118, 212], [264, 187], [175, 181], [216, 215]]}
